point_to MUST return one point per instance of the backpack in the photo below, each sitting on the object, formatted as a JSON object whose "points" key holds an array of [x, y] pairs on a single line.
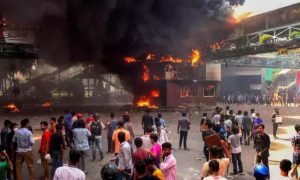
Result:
{"points": [[96, 129]]}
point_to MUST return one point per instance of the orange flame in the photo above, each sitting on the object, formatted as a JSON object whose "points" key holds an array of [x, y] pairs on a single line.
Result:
{"points": [[239, 15], [12, 107], [150, 57], [47, 104], [217, 45], [145, 102], [129, 60], [195, 57], [146, 76], [155, 93], [171, 59]]}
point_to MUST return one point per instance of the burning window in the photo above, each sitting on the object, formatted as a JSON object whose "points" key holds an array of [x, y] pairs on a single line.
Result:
{"points": [[188, 91], [209, 90]]}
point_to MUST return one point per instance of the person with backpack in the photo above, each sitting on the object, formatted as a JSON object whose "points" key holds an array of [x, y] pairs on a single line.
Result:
{"points": [[96, 131]]}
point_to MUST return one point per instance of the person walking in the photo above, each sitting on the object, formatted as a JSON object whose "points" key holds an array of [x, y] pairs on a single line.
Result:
{"points": [[247, 126], [128, 126], [24, 139], [209, 131], [147, 120], [12, 147], [44, 147], [81, 142], [56, 149], [168, 163], [140, 154], [162, 134], [182, 129], [111, 126], [296, 150], [146, 138], [275, 124], [236, 150], [96, 131]]}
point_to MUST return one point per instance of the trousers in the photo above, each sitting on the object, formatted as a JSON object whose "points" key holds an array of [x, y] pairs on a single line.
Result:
{"points": [[183, 136]]}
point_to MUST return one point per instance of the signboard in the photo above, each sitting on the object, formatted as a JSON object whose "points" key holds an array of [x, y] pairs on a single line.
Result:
{"points": [[213, 72], [18, 37]]}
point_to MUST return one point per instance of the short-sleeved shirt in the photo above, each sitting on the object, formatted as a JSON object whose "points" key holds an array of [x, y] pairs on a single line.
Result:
{"points": [[234, 141], [146, 141], [80, 136], [116, 140], [56, 142], [247, 122], [3, 170], [69, 173], [156, 151], [139, 155], [45, 140]]}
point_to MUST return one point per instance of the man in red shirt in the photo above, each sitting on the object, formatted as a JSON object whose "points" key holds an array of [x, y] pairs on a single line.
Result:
{"points": [[140, 154], [44, 148]]}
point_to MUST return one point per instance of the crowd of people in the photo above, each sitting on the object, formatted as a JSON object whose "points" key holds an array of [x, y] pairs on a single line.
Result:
{"points": [[140, 158]]}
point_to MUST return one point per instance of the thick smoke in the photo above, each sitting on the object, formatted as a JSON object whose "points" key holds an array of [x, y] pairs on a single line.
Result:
{"points": [[105, 31]]}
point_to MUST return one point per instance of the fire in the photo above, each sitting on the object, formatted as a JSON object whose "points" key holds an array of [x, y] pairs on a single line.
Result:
{"points": [[195, 57], [155, 77], [155, 93], [217, 45], [47, 104], [146, 76], [145, 102], [12, 107], [150, 57], [171, 59], [129, 60], [239, 15]]}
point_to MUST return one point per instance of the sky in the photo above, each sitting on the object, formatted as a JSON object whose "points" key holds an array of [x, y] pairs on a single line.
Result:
{"points": [[261, 6]]}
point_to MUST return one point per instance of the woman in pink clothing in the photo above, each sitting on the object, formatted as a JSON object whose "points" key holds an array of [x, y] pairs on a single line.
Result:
{"points": [[155, 151]]}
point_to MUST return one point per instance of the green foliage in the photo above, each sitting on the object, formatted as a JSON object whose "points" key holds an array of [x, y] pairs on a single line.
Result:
{"points": [[295, 34], [264, 38]]}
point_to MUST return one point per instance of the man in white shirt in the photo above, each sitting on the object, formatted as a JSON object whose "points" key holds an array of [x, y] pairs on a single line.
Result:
{"points": [[285, 167], [146, 138], [70, 171]]}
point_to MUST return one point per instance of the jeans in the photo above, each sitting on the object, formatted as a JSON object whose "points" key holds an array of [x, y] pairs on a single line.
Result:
{"points": [[96, 143], [109, 143], [57, 161], [28, 158], [83, 160], [206, 152], [236, 160], [183, 136], [246, 134], [275, 127], [121, 176]]}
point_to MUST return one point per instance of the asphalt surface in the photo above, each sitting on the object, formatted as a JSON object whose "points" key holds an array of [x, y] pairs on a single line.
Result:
{"points": [[189, 162]]}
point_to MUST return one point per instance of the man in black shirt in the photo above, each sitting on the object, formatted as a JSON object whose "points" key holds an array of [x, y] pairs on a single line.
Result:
{"points": [[147, 120], [209, 131], [262, 145]]}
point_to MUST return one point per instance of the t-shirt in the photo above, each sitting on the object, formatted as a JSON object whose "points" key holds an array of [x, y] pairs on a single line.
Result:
{"points": [[295, 141], [45, 140], [283, 178], [146, 142], [156, 151], [56, 142], [223, 164], [116, 140], [158, 174], [68, 173], [247, 122], [214, 178], [216, 119], [139, 155], [234, 141], [3, 170]]}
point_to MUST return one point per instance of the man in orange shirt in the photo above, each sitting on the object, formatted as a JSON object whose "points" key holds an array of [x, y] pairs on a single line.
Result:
{"points": [[116, 142], [44, 148]]}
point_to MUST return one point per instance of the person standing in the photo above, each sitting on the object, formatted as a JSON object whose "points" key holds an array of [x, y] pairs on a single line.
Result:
{"points": [[168, 163], [262, 145], [140, 154], [23, 138], [44, 147], [81, 142], [214, 168], [236, 150], [162, 134], [216, 118], [146, 138], [56, 149], [96, 131], [182, 129], [70, 171], [275, 125], [115, 139], [5, 164], [247, 124], [155, 151], [147, 120], [285, 167], [128, 127], [161, 120], [52, 125], [4, 133], [141, 172], [111, 126], [209, 131], [12, 147], [296, 150], [154, 170]]}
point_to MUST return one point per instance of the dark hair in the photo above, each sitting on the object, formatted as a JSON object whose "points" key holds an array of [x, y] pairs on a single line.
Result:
{"points": [[166, 145], [252, 110], [67, 111], [215, 151], [245, 113], [159, 115], [121, 123], [149, 129], [12, 125], [226, 116], [140, 167], [53, 119], [183, 114], [235, 130], [231, 111], [257, 114], [217, 128], [7, 122], [74, 156], [209, 124], [80, 123], [214, 166], [60, 119], [73, 113], [45, 123], [154, 137], [24, 122], [2, 148], [121, 137], [112, 115], [227, 107], [239, 112], [204, 114], [297, 127], [138, 142], [149, 160], [156, 119], [58, 127], [260, 125], [148, 110], [126, 118], [285, 165]]}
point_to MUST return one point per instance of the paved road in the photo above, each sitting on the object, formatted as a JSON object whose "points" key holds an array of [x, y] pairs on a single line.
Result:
{"points": [[190, 162]]}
